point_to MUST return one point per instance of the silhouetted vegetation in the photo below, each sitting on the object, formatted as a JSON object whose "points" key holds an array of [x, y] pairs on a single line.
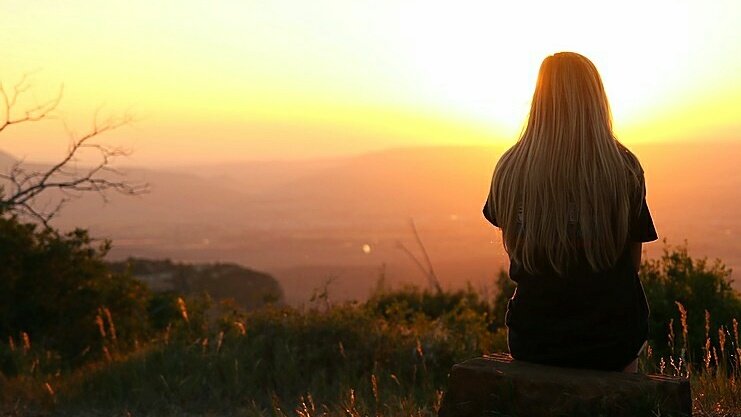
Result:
{"points": [[58, 295], [22, 185], [411, 303], [703, 289], [388, 356]]}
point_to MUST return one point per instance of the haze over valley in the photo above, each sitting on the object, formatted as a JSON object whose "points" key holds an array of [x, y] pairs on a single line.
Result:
{"points": [[342, 221]]}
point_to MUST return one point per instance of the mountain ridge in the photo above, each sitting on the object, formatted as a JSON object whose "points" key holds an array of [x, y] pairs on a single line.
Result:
{"points": [[328, 213]]}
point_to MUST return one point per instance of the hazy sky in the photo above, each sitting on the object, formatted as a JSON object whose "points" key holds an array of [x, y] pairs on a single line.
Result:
{"points": [[235, 80]]}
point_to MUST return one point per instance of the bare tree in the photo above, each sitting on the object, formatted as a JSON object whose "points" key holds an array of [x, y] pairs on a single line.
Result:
{"points": [[22, 184]]}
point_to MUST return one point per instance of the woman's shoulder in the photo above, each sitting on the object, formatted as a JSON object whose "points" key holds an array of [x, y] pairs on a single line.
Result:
{"points": [[631, 159], [635, 173]]}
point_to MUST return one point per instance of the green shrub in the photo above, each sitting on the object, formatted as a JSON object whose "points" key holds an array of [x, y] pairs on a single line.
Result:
{"points": [[409, 302], [388, 356], [57, 290], [701, 288]]}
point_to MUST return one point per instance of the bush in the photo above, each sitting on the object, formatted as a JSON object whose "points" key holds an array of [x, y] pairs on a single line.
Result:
{"points": [[281, 354], [409, 302], [57, 291], [676, 281], [389, 356]]}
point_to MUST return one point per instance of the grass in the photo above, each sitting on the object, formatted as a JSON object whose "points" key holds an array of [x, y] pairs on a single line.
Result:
{"points": [[388, 356], [716, 383]]}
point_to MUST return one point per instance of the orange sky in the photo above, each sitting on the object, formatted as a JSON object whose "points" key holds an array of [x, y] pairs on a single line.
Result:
{"points": [[236, 80]]}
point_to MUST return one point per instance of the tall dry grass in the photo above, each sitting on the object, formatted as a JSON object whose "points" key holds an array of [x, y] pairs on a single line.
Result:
{"points": [[716, 382], [386, 357], [354, 359]]}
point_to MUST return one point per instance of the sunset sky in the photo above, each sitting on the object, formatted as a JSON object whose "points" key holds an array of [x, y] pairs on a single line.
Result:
{"points": [[240, 80]]}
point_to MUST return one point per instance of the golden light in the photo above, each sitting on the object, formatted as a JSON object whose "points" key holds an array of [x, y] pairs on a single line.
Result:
{"points": [[482, 58], [337, 77]]}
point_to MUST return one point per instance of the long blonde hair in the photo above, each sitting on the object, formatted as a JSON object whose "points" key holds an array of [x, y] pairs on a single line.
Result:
{"points": [[565, 190]]}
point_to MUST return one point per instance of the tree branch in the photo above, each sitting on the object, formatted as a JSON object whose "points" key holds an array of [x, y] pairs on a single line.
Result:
{"points": [[427, 269], [23, 185], [34, 113]]}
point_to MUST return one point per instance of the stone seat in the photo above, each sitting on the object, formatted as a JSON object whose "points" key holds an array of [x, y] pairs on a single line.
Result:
{"points": [[497, 385]]}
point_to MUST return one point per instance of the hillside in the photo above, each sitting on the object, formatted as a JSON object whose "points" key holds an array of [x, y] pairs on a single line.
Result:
{"points": [[248, 288], [306, 221]]}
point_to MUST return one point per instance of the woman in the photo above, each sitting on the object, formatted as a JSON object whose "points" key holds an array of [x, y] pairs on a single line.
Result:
{"points": [[570, 200]]}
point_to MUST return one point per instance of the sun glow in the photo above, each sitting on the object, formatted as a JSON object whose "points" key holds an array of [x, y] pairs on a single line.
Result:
{"points": [[482, 58], [335, 77]]}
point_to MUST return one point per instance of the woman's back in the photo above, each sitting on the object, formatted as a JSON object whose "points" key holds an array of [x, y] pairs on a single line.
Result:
{"points": [[570, 200]]}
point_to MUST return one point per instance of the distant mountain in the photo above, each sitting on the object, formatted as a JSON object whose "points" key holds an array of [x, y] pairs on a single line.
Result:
{"points": [[250, 289], [259, 176], [306, 221], [407, 182]]}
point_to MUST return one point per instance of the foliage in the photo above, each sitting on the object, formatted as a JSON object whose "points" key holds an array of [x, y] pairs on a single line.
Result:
{"points": [[57, 293], [388, 356], [410, 302], [272, 357], [676, 282]]}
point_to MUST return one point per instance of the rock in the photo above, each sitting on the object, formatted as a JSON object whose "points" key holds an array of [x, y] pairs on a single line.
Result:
{"points": [[497, 385]]}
